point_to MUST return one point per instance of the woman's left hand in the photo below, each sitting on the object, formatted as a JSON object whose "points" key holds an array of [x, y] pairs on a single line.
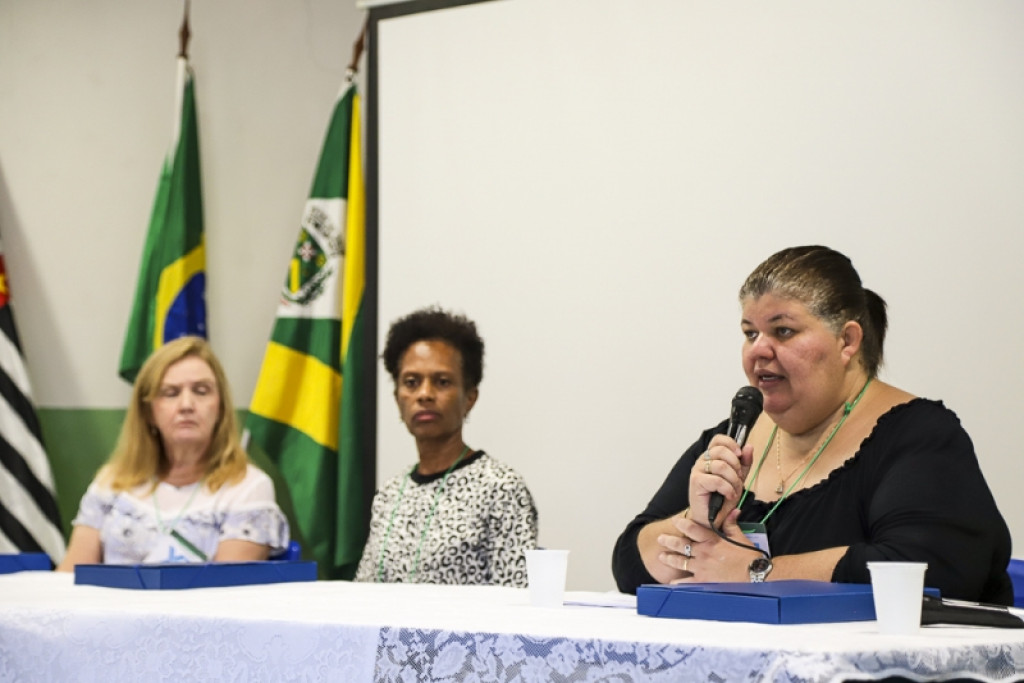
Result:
{"points": [[704, 555]]}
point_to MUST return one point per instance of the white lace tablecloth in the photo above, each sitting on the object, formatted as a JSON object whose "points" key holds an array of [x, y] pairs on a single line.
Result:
{"points": [[52, 630]]}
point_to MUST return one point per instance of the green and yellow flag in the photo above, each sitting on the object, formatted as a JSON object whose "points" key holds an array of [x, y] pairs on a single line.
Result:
{"points": [[170, 294], [305, 408]]}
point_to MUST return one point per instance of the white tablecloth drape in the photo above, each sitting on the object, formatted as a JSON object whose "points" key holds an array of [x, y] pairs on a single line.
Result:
{"points": [[53, 630]]}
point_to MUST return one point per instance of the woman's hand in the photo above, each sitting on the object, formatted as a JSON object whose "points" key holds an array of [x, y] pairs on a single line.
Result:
{"points": [[703, 556], [656, 539], [693, 553], [85, 547], [723, 469], [237, 550]]}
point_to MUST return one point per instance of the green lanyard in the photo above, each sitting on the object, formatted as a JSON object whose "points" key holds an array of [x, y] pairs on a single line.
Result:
{"points": [[173, 532], [847, 409], [426, 527]]}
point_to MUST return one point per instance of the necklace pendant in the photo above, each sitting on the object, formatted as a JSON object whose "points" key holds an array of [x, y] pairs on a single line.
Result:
{"points": [[779, 489]]}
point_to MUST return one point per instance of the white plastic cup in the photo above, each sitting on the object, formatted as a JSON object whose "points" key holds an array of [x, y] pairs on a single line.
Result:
{"points": [[898, 589], [545, 574]]}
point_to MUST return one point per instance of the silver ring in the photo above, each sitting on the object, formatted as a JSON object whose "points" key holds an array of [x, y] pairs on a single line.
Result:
{"points": [[707, 454], [688, 550]]}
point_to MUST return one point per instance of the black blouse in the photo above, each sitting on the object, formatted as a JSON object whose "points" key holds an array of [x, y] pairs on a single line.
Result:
{"points": [[913, 492]]}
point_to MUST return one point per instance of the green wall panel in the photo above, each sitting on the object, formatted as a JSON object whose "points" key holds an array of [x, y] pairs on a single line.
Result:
{"points": [[78, 443]]}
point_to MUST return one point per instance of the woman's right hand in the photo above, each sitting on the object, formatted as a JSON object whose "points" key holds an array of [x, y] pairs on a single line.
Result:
{"points": [[722, 468]]}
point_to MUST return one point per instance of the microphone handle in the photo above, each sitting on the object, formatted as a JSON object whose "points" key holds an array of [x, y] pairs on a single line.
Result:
{"points": [[715, 504], [738, 432]]}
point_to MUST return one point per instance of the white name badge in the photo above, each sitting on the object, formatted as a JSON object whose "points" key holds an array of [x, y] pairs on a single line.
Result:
{"points": [[757, 535]]}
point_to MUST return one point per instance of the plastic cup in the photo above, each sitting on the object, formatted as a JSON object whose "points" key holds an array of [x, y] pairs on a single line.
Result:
{"points": [[898, 589], [545, 573]]}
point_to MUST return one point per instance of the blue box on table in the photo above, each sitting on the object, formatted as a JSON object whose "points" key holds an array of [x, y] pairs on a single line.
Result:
{"points": [[179, 575], [772, 602], [21, 562]]}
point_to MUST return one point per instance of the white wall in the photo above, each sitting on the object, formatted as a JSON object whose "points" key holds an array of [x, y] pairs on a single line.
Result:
{"points": [[591, 180]]}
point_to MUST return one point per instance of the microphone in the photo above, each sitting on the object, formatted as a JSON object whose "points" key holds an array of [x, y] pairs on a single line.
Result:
{"points": [[746, 406]]}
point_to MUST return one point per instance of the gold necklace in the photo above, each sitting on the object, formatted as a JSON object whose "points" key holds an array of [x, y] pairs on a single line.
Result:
{"points": [[825, 439], [778, 459], [847, 409]]}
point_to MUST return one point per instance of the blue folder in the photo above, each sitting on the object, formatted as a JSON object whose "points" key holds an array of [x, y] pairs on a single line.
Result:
{"points": [[20, 562], [772, 602], [179, 576]]}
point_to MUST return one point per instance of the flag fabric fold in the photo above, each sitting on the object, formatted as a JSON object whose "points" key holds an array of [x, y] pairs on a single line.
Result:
{"points": [[305, 411], [170, 294], [29, 519]]}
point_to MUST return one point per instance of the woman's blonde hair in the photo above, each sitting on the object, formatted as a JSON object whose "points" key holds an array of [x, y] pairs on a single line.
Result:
{"points": [[139, 454]]}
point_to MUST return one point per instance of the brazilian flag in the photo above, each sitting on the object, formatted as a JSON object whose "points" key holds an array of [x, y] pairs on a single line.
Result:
{"points": [[304, 413], [170, 295]]}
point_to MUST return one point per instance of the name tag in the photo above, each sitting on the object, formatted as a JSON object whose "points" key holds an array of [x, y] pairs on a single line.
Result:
{"points": [[756, 534]]}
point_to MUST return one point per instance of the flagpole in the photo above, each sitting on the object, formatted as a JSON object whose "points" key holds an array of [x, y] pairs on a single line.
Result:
{"points": [[184, 36], [357, 52]]}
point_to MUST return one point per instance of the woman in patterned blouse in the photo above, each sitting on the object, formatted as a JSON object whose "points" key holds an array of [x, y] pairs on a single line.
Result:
{"points": [[457, 516]]}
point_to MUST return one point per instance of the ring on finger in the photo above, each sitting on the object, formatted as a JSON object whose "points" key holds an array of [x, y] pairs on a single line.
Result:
{"points": [[707, 467], [686, 562], [707, 454], [688, 550]]}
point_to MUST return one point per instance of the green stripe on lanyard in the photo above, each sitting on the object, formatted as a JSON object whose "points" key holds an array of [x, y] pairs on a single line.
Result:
{"points": [[188, 544]]}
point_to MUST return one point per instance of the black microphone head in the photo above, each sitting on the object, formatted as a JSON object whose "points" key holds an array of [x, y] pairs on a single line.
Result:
{"points": [[749, 402], [746, 406]]}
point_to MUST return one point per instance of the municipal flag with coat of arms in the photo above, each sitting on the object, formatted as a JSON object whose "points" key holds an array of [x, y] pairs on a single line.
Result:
{"points": [[304, 413]]}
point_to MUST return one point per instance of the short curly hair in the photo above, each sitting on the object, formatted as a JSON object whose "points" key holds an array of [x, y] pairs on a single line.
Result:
{"points": [[435, 324]]}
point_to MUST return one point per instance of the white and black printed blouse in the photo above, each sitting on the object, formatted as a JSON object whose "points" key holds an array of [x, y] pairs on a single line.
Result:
{"points": [[472, 526]]}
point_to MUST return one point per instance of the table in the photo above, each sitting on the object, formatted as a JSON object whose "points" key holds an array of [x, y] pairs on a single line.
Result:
{"points": [[53, 630]]}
